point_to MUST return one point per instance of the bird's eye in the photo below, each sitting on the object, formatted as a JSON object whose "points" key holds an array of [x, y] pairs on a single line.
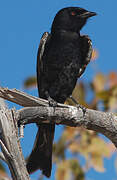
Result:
{"points": [[73, 13]]}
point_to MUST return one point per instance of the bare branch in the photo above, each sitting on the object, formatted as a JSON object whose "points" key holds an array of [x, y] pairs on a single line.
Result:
{"points": [[37, 110], [2, 157], [105, 123], [5, 150], [10, 144], [22, 98]]}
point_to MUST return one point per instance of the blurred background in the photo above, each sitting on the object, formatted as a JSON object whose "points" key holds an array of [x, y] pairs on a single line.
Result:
{"points": [[78, 154]]}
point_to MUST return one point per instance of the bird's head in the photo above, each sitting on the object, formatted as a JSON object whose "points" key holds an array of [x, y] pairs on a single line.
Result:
{"points": [[71, 19]]}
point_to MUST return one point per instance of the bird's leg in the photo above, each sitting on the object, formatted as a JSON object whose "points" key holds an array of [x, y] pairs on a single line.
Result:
{"points": [[77, 104], [51, 101]]}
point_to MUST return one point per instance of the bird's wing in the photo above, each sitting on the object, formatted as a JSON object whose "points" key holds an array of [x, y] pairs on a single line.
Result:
{"points": [[40, 53], [41, 155], [86, 52], [43, 43]]}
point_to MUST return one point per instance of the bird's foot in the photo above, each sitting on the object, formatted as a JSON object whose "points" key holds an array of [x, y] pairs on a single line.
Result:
{"points": [[52, 102], [78, 105], [81, 107]]}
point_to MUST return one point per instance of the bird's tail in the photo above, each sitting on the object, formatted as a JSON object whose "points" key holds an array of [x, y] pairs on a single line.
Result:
{"points": [[41, 155]]}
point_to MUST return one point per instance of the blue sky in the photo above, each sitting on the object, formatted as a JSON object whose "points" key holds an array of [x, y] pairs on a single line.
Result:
{"points": [[23, 22]]}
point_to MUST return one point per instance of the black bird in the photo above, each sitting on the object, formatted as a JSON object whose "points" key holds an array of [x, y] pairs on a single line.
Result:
{"points": [[62, 57]]}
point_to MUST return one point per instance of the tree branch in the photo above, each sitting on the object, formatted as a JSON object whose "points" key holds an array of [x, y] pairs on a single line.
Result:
{"points": [[105, 123], [2, 157], [37, 110], [22, 98], [10, 144]]}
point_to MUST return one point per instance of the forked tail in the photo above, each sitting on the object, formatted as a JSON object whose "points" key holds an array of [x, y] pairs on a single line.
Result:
{"points": [[41, 155]]}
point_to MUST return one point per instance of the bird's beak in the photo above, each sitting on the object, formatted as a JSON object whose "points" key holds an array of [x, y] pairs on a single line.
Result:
{"points": [[88, 14]]}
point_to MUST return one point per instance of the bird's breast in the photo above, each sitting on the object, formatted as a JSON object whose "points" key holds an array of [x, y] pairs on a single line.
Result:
{"points": [[62, 57]]}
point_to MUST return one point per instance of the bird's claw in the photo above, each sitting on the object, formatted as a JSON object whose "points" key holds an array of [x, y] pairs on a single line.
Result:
{"points": [[52, 102], [21, 122], [81, 107], [78, 105]]}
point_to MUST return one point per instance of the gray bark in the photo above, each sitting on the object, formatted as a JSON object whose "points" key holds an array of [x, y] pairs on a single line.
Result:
{"points": [[105, 123], [10, 145]]}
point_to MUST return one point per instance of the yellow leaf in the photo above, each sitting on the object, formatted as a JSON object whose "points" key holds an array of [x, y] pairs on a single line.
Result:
{"points": [[30, 82], [63, 171], [97, 163], [99, 82], [109, 97], [69, 169], [99, 147], [103, 95], [59, 148], [91, 145], [112, 104], [112, 79], [95, 54], [76, 169], [70, 132]]}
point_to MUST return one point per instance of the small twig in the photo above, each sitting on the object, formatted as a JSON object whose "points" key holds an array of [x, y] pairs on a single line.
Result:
{"points": [[23, 99], [2, 157], [4, 149]]}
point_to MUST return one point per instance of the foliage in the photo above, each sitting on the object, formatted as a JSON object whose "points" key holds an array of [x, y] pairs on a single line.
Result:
{"points": [[30, 82], [3, 174]]}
